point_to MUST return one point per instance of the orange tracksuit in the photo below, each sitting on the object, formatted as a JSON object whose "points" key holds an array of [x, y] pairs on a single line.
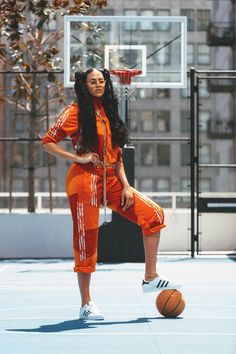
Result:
{"points": [[84, 187]]}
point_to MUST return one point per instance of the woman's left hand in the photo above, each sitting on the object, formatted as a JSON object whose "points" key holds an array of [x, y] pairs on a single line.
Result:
{"points": [[127, 198]]}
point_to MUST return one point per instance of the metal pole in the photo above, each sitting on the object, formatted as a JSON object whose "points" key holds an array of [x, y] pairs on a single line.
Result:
{"points": [[49, 157], [196, 237], [192, 157]]}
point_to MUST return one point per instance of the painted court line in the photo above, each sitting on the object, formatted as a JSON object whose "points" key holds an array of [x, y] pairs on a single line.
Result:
{"points": [[108, 318], [109, 287], [210, 334], [106, 305], [135, 282], [4, 268]]}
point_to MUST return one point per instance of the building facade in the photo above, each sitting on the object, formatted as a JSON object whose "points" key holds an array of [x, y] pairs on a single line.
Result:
{"points": [[159, 166]]}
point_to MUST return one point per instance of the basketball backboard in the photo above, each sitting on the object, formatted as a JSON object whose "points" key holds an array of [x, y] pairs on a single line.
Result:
{"points": [[155, 45]]}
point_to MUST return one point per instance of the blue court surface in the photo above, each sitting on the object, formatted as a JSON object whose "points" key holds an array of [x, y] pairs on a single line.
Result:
{"points": [[39, 307]]}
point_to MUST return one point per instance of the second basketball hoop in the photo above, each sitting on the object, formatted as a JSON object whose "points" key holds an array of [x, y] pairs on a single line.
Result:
{"points": [[124, 86]]}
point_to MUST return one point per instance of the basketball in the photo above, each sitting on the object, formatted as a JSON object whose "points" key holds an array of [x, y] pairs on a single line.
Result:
{"points": [[170, 303]]}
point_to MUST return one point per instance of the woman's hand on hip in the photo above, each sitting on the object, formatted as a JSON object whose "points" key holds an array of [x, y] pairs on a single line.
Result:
{"points": [[90, 157], [127, 198]]}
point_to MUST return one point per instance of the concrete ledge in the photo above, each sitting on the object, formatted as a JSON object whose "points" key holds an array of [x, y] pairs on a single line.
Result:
{"points": [[50, 235], [35, 235]]}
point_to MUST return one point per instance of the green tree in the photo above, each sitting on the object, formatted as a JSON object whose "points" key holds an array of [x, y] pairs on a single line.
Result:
{"points": [[29, 50]]}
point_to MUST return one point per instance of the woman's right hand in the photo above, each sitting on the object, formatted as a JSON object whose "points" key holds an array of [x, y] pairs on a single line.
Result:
{"points": [[90, 157]]}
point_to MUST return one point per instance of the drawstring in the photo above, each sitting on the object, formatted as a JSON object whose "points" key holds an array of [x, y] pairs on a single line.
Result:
{"points": [[104, 166]]}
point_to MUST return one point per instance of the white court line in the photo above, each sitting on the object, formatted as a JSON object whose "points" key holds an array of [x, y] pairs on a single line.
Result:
{"points": [[7, 287], [3, 268], [106, 305], [122, 281], [215, 334], [110, 318]]}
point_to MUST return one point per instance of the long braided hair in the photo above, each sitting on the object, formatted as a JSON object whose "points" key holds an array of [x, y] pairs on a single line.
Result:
{"points": [[87, 116]]}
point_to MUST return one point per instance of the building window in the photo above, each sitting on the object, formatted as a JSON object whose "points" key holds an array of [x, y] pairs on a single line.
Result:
{"points": [[185, 184], [163, 93], [145, 93], [133, 57], [205, 185], [205, 153], [146, 185], [107, 12], [21, 125], [134, 121], [162, 57], [146, 25], [37, 184], [52, 24], [163, 154], [106, 26], [147, 121], [185, 155], [19, 184], [163, 185], [147, 155], [47, 159], [204, 117], [45, 184], [19, 154], [185, 121], [203, 90], [163, 26], [185, 92], [150, 50], [190, 53], [136, 154], [203, 19], [128, 25], [190, 18], [203, 54], [163, 121]]}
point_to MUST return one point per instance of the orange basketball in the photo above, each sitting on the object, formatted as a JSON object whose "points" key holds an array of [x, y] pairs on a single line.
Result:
{"points": [[170, 303]]}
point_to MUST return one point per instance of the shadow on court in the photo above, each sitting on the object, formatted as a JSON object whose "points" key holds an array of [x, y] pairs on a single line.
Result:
{"points": [[80, 324]]}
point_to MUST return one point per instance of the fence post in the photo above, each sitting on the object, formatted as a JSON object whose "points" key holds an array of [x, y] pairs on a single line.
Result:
{"points": [[192, 157]]}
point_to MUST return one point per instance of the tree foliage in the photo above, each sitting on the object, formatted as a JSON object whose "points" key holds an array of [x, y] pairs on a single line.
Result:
{"points": [[27, 45], [29, 51]]}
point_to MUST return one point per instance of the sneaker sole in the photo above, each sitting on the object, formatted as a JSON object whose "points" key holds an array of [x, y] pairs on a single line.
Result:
{"points": [[151, 289], [94, 318]]}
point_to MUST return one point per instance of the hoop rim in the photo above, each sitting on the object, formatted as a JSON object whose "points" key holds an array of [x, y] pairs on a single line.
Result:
{"points": [[125, 75]]}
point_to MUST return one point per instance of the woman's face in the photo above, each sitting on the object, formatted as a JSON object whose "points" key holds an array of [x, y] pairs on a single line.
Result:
{"points": [[95, 84]]}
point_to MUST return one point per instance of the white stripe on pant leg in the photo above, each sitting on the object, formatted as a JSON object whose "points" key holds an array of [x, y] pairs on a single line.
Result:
{"points": [[79, 228], [95, 191], [81, 231], [83, 253], [93, 187], [150, 202]]}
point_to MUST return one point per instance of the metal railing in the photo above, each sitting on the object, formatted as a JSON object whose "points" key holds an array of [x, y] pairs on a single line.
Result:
{"points": [[170, 200]]}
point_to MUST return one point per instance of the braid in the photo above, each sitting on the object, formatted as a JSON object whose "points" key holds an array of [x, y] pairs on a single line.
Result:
{"points": [[110, 104], [87, 115], [87, 112]]}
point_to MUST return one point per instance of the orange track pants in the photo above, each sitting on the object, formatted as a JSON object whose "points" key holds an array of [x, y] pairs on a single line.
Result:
{"points": [[84, 191]]}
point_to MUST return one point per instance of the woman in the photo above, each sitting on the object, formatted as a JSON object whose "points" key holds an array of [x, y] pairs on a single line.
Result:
{"points": [[97, 177]]}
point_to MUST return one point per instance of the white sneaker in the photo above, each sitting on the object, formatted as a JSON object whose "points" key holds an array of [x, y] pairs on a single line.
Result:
{"points": [[160, 283], [90, 312]]}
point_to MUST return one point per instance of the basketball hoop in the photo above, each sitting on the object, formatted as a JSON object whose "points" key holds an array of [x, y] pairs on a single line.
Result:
{"points": [[125, 76]]}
